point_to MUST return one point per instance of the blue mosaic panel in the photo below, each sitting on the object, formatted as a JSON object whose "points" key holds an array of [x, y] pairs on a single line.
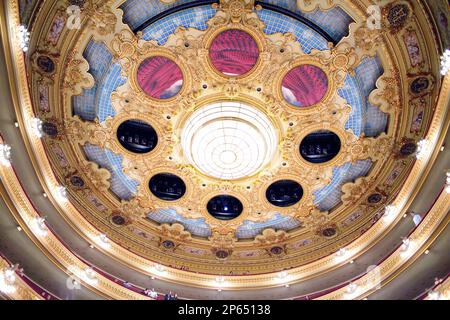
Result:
{"points": [[197, 227], [136, 12], [330, 195], [121, 184], [308, 38], [250, 229], [96, 101], [352, 94], [334, 22], [367, 73], [188, 18]]}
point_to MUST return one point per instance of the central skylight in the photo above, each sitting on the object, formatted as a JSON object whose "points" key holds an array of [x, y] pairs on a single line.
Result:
{"points": [[229, 140]]}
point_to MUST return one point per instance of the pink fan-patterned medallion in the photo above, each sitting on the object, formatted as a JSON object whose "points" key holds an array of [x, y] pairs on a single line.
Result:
{"points": [[160, 77], [234, 52], [304, 86]]}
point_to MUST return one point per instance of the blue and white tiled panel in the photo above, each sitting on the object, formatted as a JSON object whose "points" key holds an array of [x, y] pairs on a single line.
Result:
{"points": [[334, 22], [330, 195], [189, 18], [308, 38], [367, 73], [250, 229], [96, 101], [136, 12], [197, 227], [121, 184]]}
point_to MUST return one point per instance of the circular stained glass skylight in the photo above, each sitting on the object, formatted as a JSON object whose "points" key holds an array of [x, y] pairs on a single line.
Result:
{"points": [[234, 52], [304, 86], [229, 140], [160, 77]]}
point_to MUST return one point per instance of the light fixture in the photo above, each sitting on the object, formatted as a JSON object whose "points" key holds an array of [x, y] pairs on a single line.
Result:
{"points": [[8, 279], [5, 155], [61, 193], [36, 126], [282, 275], [16, 124], [229, 140], [405, 244], [445, 62], [90, 276], [24, 38], [159, 268], [389, 212], [447, 182], [351, 288], [39, 227], [422, 148], [341, 252], [434, 295], [19, 228], [220, 279], [351, 261], [427, 251]]}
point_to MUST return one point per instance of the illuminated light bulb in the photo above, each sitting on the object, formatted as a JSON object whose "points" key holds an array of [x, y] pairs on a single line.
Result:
{"points": [[445, 62], [5, 155], [90, 276], [7, 280], [447, 182], [287, 285], [19, 228], [351, 261], [61, 193], [427, 251], [16, 124], [23, 37], [351, 288], [434, 295], [282, 275], [405, 244], [422, 148], [36, 126], [39, 227], [160, 268], [341, 252], [220, 279]]}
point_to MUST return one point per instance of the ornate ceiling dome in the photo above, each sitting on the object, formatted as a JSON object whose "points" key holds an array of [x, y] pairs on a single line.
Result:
{"points": [[236, 137]]}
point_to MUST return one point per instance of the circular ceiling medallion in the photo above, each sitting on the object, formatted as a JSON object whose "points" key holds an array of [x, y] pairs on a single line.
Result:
{"points": [[276, 250], [374, 198], [329, 232], [304, 86], [118, 220], [77, 181], [168, 244], [284, 193], [408, 149], [167, 186], [233, 52], [160, 77], [320, 146], [137, 136], [229, 140], [224, 207]]}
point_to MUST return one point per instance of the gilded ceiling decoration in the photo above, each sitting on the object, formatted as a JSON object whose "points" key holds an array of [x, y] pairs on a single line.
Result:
{"points": [[229, 135]]}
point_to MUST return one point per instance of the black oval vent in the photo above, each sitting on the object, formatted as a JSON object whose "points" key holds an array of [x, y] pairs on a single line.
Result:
{"points": [[320, 146], [137, 136], [284, 193], [167, 186], [224, 207]]}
